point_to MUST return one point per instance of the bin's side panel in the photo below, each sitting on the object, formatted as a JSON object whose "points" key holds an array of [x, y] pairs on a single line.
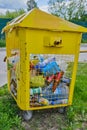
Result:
{"points": [[12, 49], [43, 42], [19, 66], [77, 50]]}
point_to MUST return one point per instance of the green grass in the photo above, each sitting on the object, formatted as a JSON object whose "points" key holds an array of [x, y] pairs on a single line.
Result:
{"points": [[2, 43], [77, 113], [9, 119], [4, 91], [75, 119], [80, 95]]}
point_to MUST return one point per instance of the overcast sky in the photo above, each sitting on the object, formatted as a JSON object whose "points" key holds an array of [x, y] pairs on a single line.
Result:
{"points": [[17, 4]]}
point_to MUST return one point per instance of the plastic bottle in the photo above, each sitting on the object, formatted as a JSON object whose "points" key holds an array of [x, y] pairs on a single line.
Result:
{"points": [[56, 102], [41, 58], [60, 101], [66, 80], [44, 63], [62, 90], [35, 91], [57, 80]]}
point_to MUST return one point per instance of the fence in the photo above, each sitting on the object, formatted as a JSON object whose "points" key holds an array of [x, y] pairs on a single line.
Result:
{"points": [[3, 22], [84, 24]]}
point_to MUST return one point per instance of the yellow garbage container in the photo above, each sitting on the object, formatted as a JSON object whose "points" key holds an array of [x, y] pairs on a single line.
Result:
{"points": [[42, 57]]}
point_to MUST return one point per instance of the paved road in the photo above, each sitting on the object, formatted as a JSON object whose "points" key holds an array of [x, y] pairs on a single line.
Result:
{"points": [[83, 56], [3, 74]]}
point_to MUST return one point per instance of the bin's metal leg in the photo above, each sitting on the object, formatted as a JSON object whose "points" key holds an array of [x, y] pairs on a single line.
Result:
{"points": [[27, 115], [62, 110]]}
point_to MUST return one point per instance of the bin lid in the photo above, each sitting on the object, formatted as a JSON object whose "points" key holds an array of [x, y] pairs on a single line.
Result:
{"points": [[38, 19]]}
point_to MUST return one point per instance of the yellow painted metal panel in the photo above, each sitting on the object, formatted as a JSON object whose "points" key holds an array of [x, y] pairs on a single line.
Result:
{"points": [[24, 71], [42, 20], [74, 70], [37, 38], [47, 107]]}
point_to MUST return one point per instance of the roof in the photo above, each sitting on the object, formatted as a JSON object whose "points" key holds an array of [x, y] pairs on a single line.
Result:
{"points": [[41, 20]]}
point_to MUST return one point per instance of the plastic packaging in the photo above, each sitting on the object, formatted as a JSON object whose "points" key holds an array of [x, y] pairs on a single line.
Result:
{"points": [[37, 81], [50, 78], [43, 101]]}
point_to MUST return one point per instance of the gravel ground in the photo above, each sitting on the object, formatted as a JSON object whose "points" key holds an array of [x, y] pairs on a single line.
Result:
{"points": [[3, 74]]}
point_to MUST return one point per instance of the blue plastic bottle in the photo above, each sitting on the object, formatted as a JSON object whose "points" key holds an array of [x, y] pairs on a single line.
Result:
{"points": [[45, 62], [51, 68]]}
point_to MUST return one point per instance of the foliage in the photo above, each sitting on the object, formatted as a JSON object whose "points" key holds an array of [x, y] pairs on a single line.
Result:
{"points": [[57, 7], [12, 14], [84, 41], [76, 9], [84, 17], [2, 43], [31, 4], [68, 9]]}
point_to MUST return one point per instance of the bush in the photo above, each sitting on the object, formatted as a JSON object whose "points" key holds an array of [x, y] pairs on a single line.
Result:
{"points": [[2, 43], [84, 41]]}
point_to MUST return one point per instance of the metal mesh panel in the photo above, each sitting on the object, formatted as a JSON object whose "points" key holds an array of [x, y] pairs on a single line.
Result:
{"points": [[50, 77]]}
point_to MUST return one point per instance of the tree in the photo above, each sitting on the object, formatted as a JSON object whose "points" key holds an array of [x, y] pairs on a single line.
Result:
{"points": [[57, 7], [12, 14], [68, 9], [31, 4], [76, 9]]}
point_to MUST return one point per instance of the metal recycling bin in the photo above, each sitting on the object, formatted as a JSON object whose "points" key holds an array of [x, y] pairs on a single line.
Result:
{"points": [[42, 57]]}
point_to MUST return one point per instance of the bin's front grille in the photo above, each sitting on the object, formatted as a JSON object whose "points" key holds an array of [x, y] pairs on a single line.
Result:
{"points": [[50, 77]]}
